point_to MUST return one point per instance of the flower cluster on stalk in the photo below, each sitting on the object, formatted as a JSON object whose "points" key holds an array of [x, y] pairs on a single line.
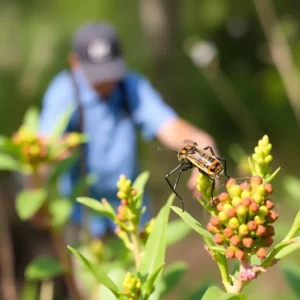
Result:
{"points": [[132, 287]]}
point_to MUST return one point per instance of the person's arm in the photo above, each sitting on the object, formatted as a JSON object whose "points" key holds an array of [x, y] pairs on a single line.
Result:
{"points": [[173, 133]]}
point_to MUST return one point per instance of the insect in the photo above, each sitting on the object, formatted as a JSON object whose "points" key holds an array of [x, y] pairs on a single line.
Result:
{"points": [[192, 156]]}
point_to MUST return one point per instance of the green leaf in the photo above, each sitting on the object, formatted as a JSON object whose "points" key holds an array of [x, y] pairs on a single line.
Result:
{"points": [[31, 119], [194, 224], [172, 275], [287, 250], [139, 185], [60, 210], [292, 275], [291, 185], [272, 176], [97, 206], [214, 293], [28, 202], [149, 284], [42, 268], [8, 163], [176, 231], [295, 228], [154, 253], [29, 291], [96, 272], [200, 291], [61, 126]]}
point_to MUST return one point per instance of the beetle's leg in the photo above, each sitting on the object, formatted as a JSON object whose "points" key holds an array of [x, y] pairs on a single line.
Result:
{"points": [[225, 165], [212, 192], [211, 150], [172, 188]]}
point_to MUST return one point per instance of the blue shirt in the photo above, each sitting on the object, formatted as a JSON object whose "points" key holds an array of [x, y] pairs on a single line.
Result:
{"points": [[112, 146]]}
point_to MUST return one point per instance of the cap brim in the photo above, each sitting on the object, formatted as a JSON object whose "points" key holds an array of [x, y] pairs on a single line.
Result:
{"points": [[112, 71]]}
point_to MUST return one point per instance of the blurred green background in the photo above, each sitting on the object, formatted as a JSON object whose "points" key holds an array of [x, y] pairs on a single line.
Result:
{"points": [[210, 59]]}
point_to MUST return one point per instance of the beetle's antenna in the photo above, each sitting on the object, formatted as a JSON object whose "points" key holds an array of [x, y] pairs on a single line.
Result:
{"points": [[162, 149]]}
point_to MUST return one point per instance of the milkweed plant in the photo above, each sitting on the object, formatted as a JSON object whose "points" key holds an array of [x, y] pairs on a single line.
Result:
{"points": [[241, 225]]}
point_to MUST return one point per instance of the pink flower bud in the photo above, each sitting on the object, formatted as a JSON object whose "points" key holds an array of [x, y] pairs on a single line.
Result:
{"points": [[269, 188], [224, 197], [228, 232], [245, 186], [254, 207], [230, 252], [262, 253], [215, 220], [255, 181], [252, 225], [220, 206], [272, 216], [231, 212], [235, 240], [269, 203], [211, 228], [261, 230], [218, 238], [230, 182], [246, 202], [239, 254], [124, 201], [247, 242]]}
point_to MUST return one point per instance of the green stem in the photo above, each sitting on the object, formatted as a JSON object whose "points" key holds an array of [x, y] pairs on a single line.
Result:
{"points": [[136, 249]]}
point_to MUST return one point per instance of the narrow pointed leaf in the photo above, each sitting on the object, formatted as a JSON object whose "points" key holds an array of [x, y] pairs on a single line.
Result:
{"points": [[31, 119], [295, 227], [140, 181], [154, 253], [28, 202], [42, 268], [194, 224], [96, 272], [149, 284], [97, 206], [287, 250]]}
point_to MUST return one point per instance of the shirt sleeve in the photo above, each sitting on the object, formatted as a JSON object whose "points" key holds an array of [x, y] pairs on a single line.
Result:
{"points": [[150, 112], [57, 100]]}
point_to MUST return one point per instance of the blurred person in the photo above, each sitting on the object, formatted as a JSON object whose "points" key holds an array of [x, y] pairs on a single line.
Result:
{"points": [[113, 104]]}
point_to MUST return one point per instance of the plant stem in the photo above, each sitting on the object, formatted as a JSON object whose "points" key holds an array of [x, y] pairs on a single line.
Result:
{"points": [[59, 246], [136, 249]]}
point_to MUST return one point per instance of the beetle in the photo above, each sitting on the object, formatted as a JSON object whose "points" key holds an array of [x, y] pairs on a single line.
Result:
{"points": [[192, 156]]}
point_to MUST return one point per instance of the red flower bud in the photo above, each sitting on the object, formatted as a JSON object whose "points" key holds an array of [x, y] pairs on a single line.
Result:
{"points": [[124, 201], [220, 206], [267, 241], [235, 240], [269, 204], [230, 252], [230, 182], [228, 232], [215, 221], [231, 212], [262, 253], [246, 202], [218, 238], [272, 216], [261, 230], [252, 225], [254, 207], [269, 231], [239, 254], [211, 228], [247, 242], [269, 188]]}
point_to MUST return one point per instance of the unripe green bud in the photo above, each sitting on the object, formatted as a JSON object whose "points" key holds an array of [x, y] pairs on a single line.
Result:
{"points": [[121, 195], [261, 230], [236, 201], [235, 240], [259, 152], [268, 159], [228, 232], [257, 198], [247, 242], [233, 223], [246, 194], [260, 190], [235, 191], [227, 206], [242, 210], [239, 254], [222, 216], [218, 238], [264, 142], [259, 220], [262, 253], [243, 230], [263, 211]]}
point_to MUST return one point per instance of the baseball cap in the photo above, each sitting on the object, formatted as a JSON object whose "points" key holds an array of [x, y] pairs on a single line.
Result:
{"points": [[98, 49]]}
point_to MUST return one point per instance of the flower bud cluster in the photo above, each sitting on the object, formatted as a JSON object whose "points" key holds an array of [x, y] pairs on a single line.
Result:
{"points": [[97, 248], [204, 185], [147, 230], [242, 218], [33, 148], [132, 287], [262, 157]]}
